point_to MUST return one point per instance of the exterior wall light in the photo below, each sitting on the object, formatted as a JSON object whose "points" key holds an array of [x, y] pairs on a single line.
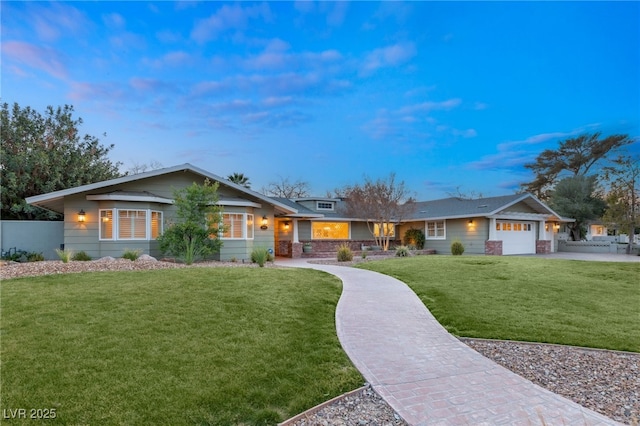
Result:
{"points": [[286, 226], [265, 223], [470, 223], [82, 216]]}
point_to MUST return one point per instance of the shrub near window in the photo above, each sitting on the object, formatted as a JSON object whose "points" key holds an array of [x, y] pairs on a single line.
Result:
{"points": [[414, 237], [344, 253], [131, 254], [260, 256], [81, 256]]}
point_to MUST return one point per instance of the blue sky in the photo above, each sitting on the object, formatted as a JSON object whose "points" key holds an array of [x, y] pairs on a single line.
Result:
{"points": [[450, 96]]}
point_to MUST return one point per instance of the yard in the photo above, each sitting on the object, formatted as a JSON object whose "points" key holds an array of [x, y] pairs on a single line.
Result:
{"points": [[592, 304], [256, 346], [212, 346]]}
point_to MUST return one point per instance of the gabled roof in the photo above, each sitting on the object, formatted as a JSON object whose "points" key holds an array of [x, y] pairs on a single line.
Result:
{"points": [[451, 208], [55, 200]]}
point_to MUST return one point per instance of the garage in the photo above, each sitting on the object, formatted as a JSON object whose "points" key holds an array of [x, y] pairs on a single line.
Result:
{"points": [[517, 237]]}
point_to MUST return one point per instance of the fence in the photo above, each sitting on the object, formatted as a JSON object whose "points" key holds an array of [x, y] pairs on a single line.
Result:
{"points": [[591, 246], [32, 236]]}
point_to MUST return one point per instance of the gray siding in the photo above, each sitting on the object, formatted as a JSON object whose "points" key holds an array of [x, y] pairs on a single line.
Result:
{"points": [[473, 238]]}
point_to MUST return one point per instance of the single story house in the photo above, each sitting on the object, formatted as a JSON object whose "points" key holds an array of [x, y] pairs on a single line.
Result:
{"points": [[130, 212]]}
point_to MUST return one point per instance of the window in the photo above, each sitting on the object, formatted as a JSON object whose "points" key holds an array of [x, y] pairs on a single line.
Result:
{"points": [[106, 225], [132, 224], [116, 224], [237, 226], [389, 230], [249, 227], [324, 205], [330, 230], [156, 224], [436, 230]]}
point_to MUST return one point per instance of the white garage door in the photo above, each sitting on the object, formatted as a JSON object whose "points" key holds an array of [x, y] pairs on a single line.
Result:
{"points": [[517, 237]]}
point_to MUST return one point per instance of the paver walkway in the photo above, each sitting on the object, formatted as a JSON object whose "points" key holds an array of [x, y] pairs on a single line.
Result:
{"points": [[427, 375]]}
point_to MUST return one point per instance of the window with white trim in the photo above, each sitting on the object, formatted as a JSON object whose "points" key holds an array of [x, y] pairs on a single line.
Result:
{"points": [[237, 226], [436, 230], [324, 205], [126, 224]]}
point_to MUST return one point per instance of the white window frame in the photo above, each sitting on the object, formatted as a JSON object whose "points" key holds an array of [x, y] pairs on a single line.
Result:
{"points": [[246, 226], [331, 205], [115, 227], [437, 236]]}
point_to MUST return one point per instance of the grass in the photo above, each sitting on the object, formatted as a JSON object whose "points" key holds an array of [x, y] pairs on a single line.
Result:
{"points": [[591, 304], [187, 346]]}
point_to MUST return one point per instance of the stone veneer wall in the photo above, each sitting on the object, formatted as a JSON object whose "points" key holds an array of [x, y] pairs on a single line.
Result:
{"points": [[543, 246], [493, 247]]}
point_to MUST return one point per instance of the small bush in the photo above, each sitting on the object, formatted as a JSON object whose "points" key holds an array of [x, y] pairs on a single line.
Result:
{"points": [[344, 253], [131, 254], [64, 255], [260, 256], [403, 251], [81, 256], [364, 253], [34, 257], [457, 248]]}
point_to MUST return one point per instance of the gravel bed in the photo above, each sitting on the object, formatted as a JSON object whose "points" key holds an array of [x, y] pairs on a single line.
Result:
{"points": [[605, 381]]}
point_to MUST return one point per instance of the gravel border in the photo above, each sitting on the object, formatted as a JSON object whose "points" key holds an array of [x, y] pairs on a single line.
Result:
{"points": [[605, 381]]}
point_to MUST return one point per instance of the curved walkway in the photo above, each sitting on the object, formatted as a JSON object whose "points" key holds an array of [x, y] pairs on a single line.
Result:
{"points": [[428, 376]]}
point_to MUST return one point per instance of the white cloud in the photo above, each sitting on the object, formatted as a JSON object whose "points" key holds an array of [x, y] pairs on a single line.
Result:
{"points": [[228, 17], [390, 56]]}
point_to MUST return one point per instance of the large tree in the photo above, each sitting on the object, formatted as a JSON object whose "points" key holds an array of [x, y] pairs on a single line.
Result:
{"points": [[574, 157], [575, 197], [381, 203], [623, 198], [193, 234], [41, 153], [286, 189]]}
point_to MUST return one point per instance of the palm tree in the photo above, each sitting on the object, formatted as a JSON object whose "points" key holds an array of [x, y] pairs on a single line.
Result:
{"points": [[240, 179]]}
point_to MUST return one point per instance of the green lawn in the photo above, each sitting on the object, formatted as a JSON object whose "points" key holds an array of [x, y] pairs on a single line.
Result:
{"points": [[213, 346], [593, 304]]}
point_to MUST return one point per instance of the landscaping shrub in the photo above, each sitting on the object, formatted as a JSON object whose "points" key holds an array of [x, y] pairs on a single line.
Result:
{"points": [[22, 256], [34, 257], [403, 251], [260, 255], [457, 248], [81, 256], [131, 254], [64, 255], [344, 253], [414, 237]]}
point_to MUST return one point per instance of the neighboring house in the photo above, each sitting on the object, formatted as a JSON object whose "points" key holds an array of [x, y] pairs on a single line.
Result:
{"points": [[105, 218]]}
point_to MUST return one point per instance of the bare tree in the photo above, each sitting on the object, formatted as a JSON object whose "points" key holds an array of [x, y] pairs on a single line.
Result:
{"points": [[286, 189], [624, 195], [137, 168], [382, 204]]}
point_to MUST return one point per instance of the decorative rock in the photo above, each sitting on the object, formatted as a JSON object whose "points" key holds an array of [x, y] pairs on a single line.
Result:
{"points": [[146, 258]]}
